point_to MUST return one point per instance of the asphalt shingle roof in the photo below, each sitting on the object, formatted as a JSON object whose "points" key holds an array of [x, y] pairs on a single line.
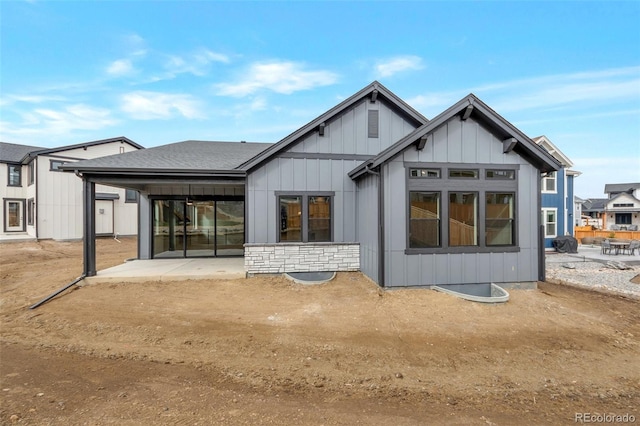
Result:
{"points": [[620, 187], [14, 153], [180, 156]]}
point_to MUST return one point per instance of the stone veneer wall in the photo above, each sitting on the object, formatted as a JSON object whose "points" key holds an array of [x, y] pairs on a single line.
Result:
{"points": [[301, 257]]}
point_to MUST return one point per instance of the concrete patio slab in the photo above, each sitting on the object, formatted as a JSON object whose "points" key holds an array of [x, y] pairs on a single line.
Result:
{"points": [[594, 253], [172, 270]]}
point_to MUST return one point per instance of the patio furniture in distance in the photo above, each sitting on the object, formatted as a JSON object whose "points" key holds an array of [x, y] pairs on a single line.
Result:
{"points": [[606, 247], [632, 247], [618, 246]]}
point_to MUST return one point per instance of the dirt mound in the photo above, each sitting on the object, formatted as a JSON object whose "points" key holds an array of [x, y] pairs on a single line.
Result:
{"points": [[267, 350]]}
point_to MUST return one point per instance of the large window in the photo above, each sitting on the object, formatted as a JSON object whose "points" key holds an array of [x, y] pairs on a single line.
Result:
{"points": [[463, 219], [623, 218], [549, 183], [304, 218], [463, 210], [500, 219], [424, 219], [550, 222], [15, 175]]}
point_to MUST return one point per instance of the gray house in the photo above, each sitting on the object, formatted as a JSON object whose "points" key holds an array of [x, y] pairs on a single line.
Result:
{"points": [[369, 185]]}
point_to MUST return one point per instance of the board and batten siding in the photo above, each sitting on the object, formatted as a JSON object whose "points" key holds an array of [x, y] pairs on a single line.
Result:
{"points": [[348, 132], [59, 195], [470, 143], [299, 175], [368, 226], [302, 168]]}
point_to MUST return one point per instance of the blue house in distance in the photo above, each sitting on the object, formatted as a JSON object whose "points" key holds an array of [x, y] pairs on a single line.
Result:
{"points": [[558, 207]]}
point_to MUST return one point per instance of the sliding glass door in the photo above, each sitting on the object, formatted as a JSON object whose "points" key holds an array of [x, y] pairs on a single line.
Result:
{"points": [[198, 228]]}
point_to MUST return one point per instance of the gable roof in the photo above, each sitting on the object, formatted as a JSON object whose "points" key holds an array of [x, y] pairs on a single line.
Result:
{"points": [[374, 91], [553, 150], [620, 195], [29, 152], [620, 187], [594, 204], [14, 153], [180, 158], [469, 106]]}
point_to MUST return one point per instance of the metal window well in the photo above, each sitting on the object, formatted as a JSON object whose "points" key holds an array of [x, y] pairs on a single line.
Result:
{"points": [[483, 293], [310, 278]]}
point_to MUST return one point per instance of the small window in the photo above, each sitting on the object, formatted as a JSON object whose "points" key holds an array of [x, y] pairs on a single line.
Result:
{"points": [[622, 204], [499, 219], [15, 175], [549, 183], [30, 211], [54, 165], [550, 222], [424, 219], [463, 219], [32, 172], [500, 174], [425, 173], [463, 173], [131, 196]]}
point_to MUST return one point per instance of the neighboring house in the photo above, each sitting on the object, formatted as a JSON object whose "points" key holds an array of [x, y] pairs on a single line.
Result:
{"points": [[593, 212], [39, 201], [622, 208], [577, 209], [558, 207], [369, 185]]}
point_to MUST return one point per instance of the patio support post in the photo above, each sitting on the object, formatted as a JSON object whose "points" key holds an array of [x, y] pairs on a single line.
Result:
{"points": [[89, 227]]}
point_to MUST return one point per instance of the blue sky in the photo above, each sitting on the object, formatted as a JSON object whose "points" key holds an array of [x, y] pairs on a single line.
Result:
{"points": [[161, 71]]}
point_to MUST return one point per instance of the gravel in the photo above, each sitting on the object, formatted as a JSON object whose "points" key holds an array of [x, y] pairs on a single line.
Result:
{"points": [[585, 273]]}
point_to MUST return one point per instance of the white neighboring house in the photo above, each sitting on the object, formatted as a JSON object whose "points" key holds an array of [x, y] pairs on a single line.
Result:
{"points": [[622, 207], [39, 201]]}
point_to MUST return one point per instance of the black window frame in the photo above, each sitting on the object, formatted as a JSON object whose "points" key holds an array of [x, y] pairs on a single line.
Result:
{"points": [[54, 165], [512, 220], [127, 195], [419, 175], [31, 211], [627, 218], [437, 220], [18, 168], [304, 225], [446, 185], [32, 172]]}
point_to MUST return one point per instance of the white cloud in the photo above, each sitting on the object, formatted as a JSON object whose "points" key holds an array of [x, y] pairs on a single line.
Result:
{"points": [[280, 77], [120, 67], [398, 64], [144, 105], [195, 63], [584, 90], [46, 122]]}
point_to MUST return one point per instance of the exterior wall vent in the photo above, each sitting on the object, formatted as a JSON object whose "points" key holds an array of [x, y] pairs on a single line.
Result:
{"points": [[373, 124]]}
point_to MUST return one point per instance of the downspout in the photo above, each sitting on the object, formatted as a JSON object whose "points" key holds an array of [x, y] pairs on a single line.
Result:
{"points": [[541, 252], [35, 172], [54, 294]]}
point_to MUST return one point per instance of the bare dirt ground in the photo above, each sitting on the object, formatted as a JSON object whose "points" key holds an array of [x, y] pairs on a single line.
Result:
{"points": [[268, 351]]}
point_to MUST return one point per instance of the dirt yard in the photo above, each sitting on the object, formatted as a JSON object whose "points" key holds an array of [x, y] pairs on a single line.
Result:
{"points": [[268, 351]]}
